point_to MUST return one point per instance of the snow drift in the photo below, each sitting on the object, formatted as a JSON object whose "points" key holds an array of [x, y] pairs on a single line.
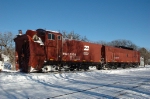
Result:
{"points": [[120, 83]]}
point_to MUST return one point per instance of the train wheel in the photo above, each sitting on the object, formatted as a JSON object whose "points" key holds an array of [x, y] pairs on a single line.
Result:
{"points": [[71, 69], [84, 67], [79, 67], [114, 66], [123, 66], [98, 67], [25, 57]]}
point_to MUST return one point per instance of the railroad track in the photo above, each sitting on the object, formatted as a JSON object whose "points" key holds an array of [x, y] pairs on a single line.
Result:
{"points": [[88, 89]]}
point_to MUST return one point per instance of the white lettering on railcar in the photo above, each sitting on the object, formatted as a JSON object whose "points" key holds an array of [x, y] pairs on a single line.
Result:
{"points": [[116, 57], [71, 54], [86, 48], [85, 53]]}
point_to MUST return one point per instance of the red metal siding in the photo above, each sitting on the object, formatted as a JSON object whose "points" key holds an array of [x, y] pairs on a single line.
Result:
{"points": [[81, 51], [30, 53], [53, 47], [17, 61], [114, 54], [136, 56]]}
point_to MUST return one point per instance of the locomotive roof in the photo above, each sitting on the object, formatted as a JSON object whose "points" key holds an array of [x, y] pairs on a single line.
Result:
{"points": [[124, 47], [43, 30], [52, 31]]}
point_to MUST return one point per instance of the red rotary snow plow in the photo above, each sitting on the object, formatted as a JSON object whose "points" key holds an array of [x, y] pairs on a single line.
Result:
{"points": [[29, 52]]}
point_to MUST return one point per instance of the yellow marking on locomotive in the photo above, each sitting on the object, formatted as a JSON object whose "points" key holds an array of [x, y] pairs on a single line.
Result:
{"points": [[51, 59]]}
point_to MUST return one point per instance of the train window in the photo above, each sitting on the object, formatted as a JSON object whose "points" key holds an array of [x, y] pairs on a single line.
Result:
{"points": [[59, 37], [51, 36]]}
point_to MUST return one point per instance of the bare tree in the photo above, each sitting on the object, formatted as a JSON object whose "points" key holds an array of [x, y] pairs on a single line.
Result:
{"points": [[73, 35], [126, 43], [102, 42], [6, 41], [84, 39], [145, 54], [149, 57]]}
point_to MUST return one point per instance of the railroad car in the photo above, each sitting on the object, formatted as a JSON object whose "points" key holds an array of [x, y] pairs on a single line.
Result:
{"points": [[45, 50], [120, 56], [81, 55]]}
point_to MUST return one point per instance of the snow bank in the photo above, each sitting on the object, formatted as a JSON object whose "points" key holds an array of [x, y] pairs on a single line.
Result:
{"points": [[120, 83], [4, 64]]}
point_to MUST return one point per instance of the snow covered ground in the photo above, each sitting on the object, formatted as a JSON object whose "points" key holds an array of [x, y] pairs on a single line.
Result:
{"points": [[4, 63], [120, 83]]}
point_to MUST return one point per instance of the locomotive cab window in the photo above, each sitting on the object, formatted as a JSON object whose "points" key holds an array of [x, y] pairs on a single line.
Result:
{"points": [[59, 37], [51, 36]]}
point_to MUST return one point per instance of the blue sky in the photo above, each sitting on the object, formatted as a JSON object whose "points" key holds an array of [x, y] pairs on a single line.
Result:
{"points": [[98, 20]]}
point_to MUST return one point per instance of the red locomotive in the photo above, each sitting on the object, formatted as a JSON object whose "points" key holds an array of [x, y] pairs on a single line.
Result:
{"points": [[44, 50]]}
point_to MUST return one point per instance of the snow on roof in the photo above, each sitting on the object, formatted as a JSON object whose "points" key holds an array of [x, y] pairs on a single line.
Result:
{"points": [[48, 30], [52, 31]]}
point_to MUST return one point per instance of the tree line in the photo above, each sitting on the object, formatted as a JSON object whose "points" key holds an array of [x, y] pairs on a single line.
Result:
{"points": [[8, 47]]}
